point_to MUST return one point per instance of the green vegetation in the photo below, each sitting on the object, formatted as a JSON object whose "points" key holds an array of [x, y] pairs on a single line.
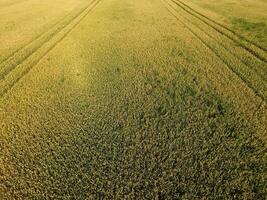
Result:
{"points": [[246, 17], [257, 29], [133, 100]]}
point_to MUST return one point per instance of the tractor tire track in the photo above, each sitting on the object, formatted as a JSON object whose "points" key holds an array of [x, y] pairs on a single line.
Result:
{"points": [[225, 27], [236, 73], [21, 55], [259, 53], [260, 70], [242, 55], [23, 68], [258, 79], [12, 55], [250, 67]]}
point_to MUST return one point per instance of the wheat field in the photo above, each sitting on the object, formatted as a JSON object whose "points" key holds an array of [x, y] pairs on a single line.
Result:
{"points": [[133, 99]]}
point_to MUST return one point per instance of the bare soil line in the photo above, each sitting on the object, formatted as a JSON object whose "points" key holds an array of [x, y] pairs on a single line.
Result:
{"points": [[248, 84], [34, 58], [257, 51], [22, 54]]}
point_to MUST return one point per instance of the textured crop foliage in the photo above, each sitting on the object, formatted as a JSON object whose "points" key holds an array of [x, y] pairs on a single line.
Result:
{"points": [[143, 99]]}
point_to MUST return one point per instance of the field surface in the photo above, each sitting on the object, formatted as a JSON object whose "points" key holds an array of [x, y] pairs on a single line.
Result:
{"points": [[133, 99]]}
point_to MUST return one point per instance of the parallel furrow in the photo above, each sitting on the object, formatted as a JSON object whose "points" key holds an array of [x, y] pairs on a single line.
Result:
{"points": [[241, 56], [225, 27], [254, 77], [24, 66], [21, 49], [20, 56], [255, 50], [218, 54]]}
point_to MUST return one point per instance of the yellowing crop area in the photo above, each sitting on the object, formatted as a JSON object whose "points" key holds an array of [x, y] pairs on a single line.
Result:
{"points": [[143, 99]]}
